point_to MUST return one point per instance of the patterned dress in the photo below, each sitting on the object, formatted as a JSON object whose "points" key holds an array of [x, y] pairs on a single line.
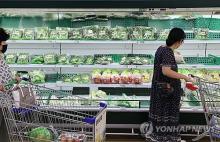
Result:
{"points": [[164, 110], [5, 73]]}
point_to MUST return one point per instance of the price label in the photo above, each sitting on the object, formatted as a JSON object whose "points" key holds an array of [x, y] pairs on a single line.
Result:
{"points": [[76, 66], [131, 66]]}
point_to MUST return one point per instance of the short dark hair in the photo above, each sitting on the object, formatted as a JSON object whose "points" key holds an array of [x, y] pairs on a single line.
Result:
{"points": [[4, 36], [176, 34]]}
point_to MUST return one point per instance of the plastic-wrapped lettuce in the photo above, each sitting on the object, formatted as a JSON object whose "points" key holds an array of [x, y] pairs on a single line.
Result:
{"points": [[37, 76], [42, 33], [37, 59], [90, 32], [135, 33], [103, 60], [11, 58], [23, 58], [201, 33], [77, 60], [148, 33], [85, 78], [163, 34], [76, 79], [28, 34], [75, 34], [50, 59], [119, 33], [89, 60], [104, 33], [63, 59], [63, 33], [53, 34], [16, 34]]}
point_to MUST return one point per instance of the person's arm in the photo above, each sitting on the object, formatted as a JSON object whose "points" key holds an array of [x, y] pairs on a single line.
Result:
{"points": [[167, 71]]}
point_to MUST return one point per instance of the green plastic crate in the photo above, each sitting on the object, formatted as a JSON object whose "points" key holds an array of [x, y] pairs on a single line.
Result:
{"points": [[189, 35], [200, 60], [171, 23], [51, 77], [210, 23], [116, 58], [216, 59], [214, 35]]}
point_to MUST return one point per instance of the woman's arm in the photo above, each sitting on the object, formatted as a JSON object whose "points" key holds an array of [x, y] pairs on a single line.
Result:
{"points": [[167, 71]]}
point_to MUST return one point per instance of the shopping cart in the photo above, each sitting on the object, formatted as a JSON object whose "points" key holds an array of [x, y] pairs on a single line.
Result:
{"points": [[51, 122], [209, 94]]}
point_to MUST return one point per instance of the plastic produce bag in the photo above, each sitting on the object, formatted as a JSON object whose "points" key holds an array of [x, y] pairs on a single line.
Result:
{"points": [[63, 59], [163, 34], [97, 76], [11, 58], [16, 34], [50, 59], [178, 57], [42, 33], [90, 32], [23, 58], [85, 78], [75, 34], [135, 33], [119, 33], [37, 59], [62, 33], [76, 79], [201, 33], [148, 33], [28, 34], [104, 33], [103, 60], [37, 76], [77, 60], [89, 60]]}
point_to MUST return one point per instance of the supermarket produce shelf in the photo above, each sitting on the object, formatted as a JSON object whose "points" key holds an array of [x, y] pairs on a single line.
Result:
{"points": [[144, 85], [111, 66], [108, 41]]}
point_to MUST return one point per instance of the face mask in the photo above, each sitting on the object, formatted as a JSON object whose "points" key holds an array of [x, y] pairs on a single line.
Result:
{"points": [[4, 48]]}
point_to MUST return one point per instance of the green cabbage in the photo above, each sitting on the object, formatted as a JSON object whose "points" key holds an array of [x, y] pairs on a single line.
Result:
{"points": [[119, 33], [28, 34], [75, 34], [40, 134], [37, 59], [16, 34], [63, 59], [42, 33], [37, 76]]}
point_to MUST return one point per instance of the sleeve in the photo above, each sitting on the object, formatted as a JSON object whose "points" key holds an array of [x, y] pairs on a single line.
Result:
{"points": [[168, 58]]}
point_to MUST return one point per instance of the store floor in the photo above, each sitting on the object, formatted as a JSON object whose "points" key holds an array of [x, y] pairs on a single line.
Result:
{"points": [[139, 139]]}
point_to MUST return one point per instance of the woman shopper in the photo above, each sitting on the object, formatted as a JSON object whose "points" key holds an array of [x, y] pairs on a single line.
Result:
{"points": [[166, 91], [5, 78]]}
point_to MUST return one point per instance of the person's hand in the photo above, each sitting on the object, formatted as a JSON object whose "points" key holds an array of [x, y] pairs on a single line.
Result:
{"points": [[2, 88], [18, 79], [189, 79]]}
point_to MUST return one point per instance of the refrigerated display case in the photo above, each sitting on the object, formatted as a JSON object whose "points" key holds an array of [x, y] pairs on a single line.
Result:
{"points": [[108, 55]]}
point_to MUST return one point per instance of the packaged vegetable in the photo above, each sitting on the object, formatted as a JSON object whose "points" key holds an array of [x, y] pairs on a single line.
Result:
{"points": [[119, 33], [201, 33], [90, 32], [62, 33], [23, 58], [103, 60], [42, 33], [63, 59], [126, 77], [106, 76], [163, 34], [37, 59], [89, 60], [16, 34], [77, 60], [136, 77], [50, 59], [148, 33], [76, 79], [11, 58], [40, 134], [85, 78], [104, 33], [28, 34], [135, 33], [37, 76], [97, 76], [75, 34], [115, 77]]}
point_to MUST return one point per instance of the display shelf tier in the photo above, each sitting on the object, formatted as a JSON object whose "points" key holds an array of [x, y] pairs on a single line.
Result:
{"points": [[111, 66], [107, 41]]}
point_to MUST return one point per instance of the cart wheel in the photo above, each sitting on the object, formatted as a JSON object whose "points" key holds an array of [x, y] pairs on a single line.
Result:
{"points": [[146, 129]]}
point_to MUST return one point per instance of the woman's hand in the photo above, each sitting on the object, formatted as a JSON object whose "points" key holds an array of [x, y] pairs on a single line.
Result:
{"points": [[18, 79], [189, 79]]}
